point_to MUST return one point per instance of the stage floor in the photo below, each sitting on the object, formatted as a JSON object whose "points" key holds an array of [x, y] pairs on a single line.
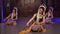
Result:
{"points": [[51, 28]]}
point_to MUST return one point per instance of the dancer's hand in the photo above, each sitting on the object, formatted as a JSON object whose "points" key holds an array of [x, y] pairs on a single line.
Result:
{"points": [[27, 24]]}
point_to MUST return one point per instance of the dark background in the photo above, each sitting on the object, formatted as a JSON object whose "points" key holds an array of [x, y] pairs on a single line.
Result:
{"points": [[0, 9], [29, 7]]}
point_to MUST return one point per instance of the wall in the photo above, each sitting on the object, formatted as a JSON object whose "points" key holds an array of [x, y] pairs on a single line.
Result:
{"points": [[29, 7], [26, 7]]}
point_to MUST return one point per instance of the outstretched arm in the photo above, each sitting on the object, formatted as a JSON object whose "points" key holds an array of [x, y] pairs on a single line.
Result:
{"points": [[31, 19], [16, 13], [7, 17]]}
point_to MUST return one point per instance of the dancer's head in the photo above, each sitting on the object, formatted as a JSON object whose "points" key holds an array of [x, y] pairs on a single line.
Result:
{"points": [[50, 9], [42, 9], [14, 10]]}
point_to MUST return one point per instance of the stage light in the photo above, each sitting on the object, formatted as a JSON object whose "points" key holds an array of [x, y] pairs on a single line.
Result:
{"points": [[2, 14]]}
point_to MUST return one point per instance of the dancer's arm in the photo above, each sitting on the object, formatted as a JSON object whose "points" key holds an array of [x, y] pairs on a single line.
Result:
{"points": [[43, 22], [16, 16], [31, 19], [46, 16], [51, 15], [7, 17], [16, 13]]}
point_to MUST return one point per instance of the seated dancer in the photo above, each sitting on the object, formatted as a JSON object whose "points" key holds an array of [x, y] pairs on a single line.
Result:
{"points": [[49, 15], [11, 19], [39, 21]]}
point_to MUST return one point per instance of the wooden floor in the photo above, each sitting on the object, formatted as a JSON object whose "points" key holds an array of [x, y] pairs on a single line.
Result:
{"points": [[10, 29]]}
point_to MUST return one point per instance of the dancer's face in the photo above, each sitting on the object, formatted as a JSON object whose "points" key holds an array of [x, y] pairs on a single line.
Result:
{"points": [[40, 10], [13, 11], [49, 10]]}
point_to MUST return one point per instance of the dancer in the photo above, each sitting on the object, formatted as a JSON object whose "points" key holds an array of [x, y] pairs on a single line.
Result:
{"points": [[49, 15], [39, 21], [11, 19]]}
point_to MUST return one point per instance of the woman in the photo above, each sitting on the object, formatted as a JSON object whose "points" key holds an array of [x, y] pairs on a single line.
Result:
{"points": [[11, 19], [39, 21], [49, 15]]}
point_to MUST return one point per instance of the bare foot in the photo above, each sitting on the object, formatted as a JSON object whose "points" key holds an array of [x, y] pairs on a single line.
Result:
{"points": [[14, 23], [44, 30]]}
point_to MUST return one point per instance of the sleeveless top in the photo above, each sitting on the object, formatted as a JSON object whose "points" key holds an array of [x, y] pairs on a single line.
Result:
{"points": [[48, 15], [13, 16], [40, 17]]}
